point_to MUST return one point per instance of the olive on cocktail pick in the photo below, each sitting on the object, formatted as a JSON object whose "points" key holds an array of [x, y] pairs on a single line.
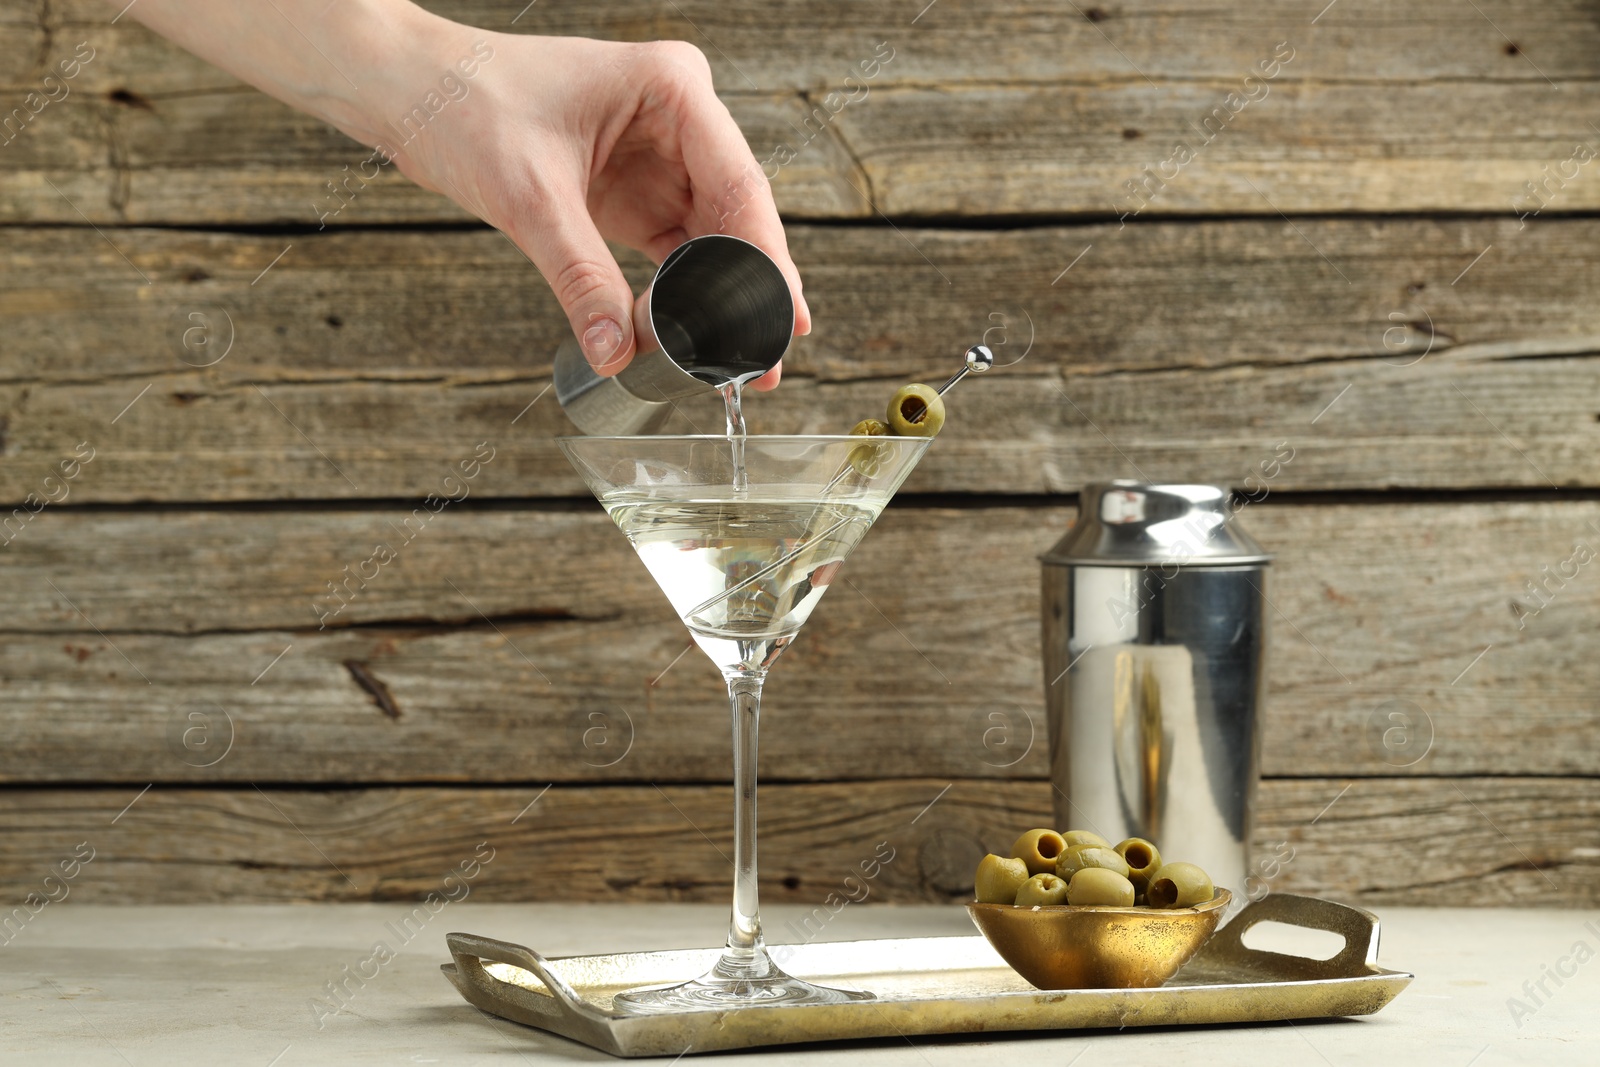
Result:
{"points": [[867, 459], [917, 410]]}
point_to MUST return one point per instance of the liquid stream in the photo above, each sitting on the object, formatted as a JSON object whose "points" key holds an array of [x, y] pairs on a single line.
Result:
{"points": [[733, 398]]}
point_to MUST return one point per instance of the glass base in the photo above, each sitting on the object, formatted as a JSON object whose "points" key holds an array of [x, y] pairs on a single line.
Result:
{"points": [[733, 983]]}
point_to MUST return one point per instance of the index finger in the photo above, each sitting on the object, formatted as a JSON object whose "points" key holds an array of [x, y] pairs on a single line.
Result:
{"points": [[732, 193]]}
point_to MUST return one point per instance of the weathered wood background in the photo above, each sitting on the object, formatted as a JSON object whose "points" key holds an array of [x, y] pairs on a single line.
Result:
{"points": [[1343, 267]]}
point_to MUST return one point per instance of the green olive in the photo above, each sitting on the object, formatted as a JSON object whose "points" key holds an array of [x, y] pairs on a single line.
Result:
{"points": [[1179, 885], [916, 411], [1096, 885], [1074, 860], [868, 459], [998, 879], [1142, 858], [1039, 849], [1042, 890], [1073, 838]]}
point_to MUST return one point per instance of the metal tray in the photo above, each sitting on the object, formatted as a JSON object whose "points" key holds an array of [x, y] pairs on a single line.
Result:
{"points": [[930, 985]]}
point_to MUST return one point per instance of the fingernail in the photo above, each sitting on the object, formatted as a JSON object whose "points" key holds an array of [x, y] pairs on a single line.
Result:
{"points": [[602, 342]]}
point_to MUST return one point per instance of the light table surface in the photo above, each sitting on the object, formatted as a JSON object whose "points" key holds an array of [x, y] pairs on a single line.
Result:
{"points": [[239, 984]]}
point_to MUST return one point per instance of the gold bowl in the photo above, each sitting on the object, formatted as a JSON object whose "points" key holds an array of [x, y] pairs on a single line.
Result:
{"points": [[1091, 947]]}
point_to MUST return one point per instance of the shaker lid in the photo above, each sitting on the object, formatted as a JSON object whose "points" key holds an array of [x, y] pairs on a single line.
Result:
{"points": [[1126, 523]]}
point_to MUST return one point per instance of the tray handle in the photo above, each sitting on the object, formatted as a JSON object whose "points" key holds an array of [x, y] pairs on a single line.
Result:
{"points": [[1357, 926], [494, 995]]}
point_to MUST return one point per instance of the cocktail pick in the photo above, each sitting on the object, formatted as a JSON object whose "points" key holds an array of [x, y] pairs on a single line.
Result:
{"points": [[979, 359], [917, 410]]}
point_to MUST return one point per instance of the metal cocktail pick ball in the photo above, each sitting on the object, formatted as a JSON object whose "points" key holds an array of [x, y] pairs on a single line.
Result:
{"points": [[979, 359]]}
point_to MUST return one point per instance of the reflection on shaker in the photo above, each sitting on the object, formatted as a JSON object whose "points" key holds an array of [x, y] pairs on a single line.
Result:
{"points": [[1145, 741], [1131, 758]]}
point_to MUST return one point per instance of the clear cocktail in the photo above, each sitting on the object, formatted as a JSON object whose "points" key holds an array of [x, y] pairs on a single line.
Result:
{"points": [[744, 568]]}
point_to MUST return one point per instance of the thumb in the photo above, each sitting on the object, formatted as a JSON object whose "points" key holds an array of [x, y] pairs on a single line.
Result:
{"points": [[585, 278]]}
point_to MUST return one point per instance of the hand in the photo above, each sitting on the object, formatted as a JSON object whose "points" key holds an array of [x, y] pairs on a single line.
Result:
{"points": [[559, 142], [564, 142]]}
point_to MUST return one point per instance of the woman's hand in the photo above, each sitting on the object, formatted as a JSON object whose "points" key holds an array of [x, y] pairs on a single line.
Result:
{"points": [[563, 142], [560, 142]]}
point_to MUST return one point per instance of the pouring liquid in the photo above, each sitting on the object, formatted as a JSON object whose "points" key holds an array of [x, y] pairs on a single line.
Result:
{"points": [[726, 368], [732, 398]]}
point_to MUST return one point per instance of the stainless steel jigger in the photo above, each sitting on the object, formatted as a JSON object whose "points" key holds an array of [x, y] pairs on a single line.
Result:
{"points": [[718, 311]]}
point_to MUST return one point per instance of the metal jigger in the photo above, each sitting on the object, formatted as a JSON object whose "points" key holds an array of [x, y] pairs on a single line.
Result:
{"points": [[718, 311]]}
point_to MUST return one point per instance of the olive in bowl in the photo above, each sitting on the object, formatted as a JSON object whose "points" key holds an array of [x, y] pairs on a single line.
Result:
{"points": [[1086, 857], [1042, 890], [1143, 860], [1178, 885], [998, 879], [1039, 849], [1069, 911]]}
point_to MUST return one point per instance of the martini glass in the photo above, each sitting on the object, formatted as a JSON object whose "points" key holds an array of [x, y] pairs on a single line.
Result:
{"points": [[743, 567]]}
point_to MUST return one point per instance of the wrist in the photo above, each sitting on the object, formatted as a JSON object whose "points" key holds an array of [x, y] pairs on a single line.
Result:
{"points": [[383, 54]]}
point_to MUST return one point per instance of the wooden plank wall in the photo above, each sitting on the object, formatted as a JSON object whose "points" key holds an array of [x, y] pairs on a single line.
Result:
{"points": [[1349, 266]]}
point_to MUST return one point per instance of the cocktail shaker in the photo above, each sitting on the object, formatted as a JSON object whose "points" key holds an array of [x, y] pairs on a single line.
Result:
{"points": [[1153, 654], [718, 310]]}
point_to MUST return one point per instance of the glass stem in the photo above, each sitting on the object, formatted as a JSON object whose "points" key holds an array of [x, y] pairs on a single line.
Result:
{"points": [[746, 949]]}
